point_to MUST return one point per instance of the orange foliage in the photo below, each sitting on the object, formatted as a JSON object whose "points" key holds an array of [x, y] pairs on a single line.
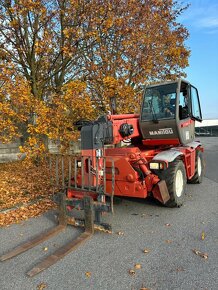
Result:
{"points": [[22, 114], [21, 183], [72, 105], [62, 61], [55, 118], [123, 93], [25, 212], [15, 103]]}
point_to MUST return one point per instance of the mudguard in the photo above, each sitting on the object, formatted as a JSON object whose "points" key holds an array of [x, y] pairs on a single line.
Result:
{"points": [[168, 155], [171, 154], [193, 144]]}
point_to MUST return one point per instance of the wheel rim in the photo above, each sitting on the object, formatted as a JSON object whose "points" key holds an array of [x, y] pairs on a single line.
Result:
{"points": [[179, 183], [199, 166]]}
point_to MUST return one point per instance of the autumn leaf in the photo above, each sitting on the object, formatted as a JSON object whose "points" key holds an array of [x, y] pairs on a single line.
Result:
{"points": [[180, 269], [146, 251], [144, 288], [41, 286], [120, 233], [200, 254], [88, 274], [132, 272], [168, 241], [138, 266], [202, 235]]}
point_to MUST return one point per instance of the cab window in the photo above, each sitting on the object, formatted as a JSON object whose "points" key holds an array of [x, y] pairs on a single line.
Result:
{"points": [[159, 102], [184, 102]]}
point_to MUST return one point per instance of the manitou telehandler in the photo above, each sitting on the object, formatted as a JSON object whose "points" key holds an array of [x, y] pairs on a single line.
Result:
{"points": [[159, 157]]}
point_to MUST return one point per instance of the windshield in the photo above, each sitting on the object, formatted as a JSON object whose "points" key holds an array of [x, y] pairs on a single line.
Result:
{"points": [[159, 102]]}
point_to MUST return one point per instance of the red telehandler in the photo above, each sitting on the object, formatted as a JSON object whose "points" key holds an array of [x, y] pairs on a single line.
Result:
{"points": [[158, 158]]}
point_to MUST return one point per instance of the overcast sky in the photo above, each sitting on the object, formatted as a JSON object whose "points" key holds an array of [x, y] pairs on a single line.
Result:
{"points": [[201, 19]]}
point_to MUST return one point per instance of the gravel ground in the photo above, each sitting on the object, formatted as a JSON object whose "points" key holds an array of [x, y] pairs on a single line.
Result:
{"points": [[168, 234]]}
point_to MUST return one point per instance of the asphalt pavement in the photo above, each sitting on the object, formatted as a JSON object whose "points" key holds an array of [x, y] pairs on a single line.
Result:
{"points": [[103, 262]]}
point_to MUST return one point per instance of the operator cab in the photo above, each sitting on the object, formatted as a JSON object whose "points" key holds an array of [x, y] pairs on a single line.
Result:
{"points": [[168, 113]]}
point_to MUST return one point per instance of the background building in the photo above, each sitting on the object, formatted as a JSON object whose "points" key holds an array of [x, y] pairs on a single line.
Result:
{"points": [[207, 128]]}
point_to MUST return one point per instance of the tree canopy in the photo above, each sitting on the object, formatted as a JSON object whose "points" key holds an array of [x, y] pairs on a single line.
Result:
{"points": [[62, 60]]}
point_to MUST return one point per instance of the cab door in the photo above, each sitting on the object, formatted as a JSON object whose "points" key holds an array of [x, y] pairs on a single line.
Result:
{"points": [[189, 111]]}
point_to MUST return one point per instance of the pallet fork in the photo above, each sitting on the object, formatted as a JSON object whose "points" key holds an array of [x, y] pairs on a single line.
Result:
{"points": [[88, 205], [93, 210]]}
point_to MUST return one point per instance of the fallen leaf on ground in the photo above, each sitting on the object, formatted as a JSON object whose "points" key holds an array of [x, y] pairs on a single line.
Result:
{"points": [[198, 253], [180, 269], [120, 233], [146, 215], [146, 251], [138, 266], [88, 274], [202, 235], [167, 225], [25, 191], [45, 249], [168, 241], [132, 272], [41, 286]]}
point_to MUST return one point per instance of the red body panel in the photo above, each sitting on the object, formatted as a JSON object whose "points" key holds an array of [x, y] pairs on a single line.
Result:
{"points": [[117, 122], [127, 181], [160, 142], [189, 155]]}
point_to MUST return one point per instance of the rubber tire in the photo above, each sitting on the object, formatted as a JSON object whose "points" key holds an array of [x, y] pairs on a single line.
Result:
{"points": [[198, 178], [169, 175]]}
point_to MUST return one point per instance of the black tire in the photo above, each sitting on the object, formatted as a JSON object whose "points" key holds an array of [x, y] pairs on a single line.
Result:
{"points": [[174, 175], [199, 168]]}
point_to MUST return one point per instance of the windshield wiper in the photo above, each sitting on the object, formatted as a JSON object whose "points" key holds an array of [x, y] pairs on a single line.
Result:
{"points": [[155, 120]]}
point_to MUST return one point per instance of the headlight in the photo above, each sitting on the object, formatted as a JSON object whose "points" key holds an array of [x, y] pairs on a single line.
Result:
{"points": [[79, 164], [101, 173], [156, 165]]}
